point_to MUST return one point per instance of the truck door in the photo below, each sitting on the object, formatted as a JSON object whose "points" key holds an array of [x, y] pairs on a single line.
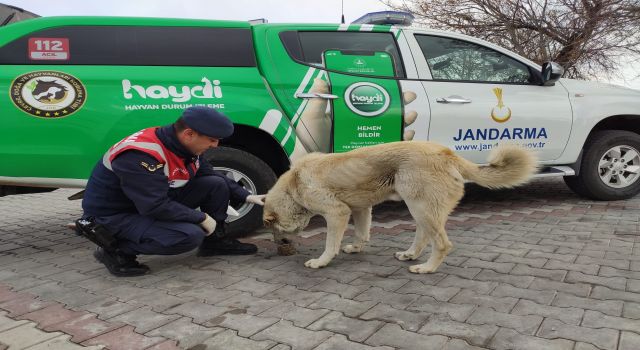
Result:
{"points": [[291, 59], [480, 97], [366, 107]]}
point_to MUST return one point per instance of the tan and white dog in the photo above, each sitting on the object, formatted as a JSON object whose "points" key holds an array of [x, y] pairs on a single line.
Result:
{"points": [[427, 176]]}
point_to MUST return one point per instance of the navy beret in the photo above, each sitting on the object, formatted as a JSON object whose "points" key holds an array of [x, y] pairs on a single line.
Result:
{"points": [[208, 121]]}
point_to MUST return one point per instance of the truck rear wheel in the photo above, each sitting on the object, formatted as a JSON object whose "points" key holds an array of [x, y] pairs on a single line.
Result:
{"points": [[610, 168], [251, 173]]}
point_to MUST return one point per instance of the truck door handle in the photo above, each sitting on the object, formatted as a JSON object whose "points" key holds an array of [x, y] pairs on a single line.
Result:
{"points": [[316, 94], [453, 99]]}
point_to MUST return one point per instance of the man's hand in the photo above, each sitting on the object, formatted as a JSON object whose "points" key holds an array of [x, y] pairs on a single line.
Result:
{"points": [[208, 225], [256, 199]]}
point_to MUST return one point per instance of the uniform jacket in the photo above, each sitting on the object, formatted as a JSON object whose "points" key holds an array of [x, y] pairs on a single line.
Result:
{"points": [[135, 179]]}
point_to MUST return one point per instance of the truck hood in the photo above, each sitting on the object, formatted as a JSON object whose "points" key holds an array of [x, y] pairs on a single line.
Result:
{"points": [[592, 88]]}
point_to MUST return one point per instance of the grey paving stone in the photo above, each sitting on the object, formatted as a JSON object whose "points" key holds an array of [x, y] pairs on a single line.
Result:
{"points": [[299, 338], [342, 289], [608, 271], [340, 342], [459, 344], [187, 333], [246, 325], [295, 295], [523, 324], [394, 336], [568, 315], [474, 334], [297, 279], [144, 319], [348, 307], [524, 270], [99, 284], [107, 308], [230, 340], [127, 292], [629, 341], [478, 286], [68, 276], [516, 281], [568, 258], [610, 282], [300, 316], [25, 335], [603, 338], [540, 297], [618, 264], [254, 287], [631, 310], [609, 307], [585, 346], [501, 267], [595, 319], [458, 312], [199, 312], [578, 289], [338, 275], [464, 272], [606, 293], [591, 269], [466, 296], [355, 329], [159, 300], [633, 286], [439, 293], [20, 282], [534, 262], [208, 294], [396, 300], [408, 320], [176, 286], [251, 304], [508, 339], [388, 284]]}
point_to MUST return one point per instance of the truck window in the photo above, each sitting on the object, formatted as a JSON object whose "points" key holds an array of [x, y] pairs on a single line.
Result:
{"points": [[307, 47], [141, 46], [457, 60]]}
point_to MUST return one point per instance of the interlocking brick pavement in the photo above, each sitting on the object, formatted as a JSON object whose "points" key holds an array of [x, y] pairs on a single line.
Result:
{"points": [[532, 268]]}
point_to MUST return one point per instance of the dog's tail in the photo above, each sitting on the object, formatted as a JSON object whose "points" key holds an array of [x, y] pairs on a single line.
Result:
{"points": [[509, 166]]}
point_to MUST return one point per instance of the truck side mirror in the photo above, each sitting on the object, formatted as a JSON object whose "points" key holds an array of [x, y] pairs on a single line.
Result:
{"points": [[551, 72]]}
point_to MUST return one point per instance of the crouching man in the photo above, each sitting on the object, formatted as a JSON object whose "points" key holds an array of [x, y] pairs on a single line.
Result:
{"points": [[142, 196]]}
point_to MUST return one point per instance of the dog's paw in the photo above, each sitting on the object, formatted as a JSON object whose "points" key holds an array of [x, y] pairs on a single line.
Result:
{"points": [[421, 268], [403, 256], [315, 263], [350, 248]]}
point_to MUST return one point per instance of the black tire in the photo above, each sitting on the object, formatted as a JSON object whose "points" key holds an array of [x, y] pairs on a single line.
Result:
{"points": [[588, 182], [253, 171]]}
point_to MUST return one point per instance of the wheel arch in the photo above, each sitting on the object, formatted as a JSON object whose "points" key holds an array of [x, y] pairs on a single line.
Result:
{"points": [[261, 144]]}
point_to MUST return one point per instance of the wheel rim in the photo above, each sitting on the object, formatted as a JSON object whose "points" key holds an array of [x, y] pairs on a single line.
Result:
{"points": [[619, 167], [244, 181]]}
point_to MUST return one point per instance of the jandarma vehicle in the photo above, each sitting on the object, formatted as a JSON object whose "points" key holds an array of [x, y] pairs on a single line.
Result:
{"points": [[73, 86]]}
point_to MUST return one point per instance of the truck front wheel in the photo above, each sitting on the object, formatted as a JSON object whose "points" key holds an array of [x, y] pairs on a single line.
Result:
{"points": [[251, 173], [610, 168]]}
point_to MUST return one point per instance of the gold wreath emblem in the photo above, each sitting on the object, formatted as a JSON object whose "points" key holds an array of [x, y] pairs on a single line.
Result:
{"points": [[500, 113]]}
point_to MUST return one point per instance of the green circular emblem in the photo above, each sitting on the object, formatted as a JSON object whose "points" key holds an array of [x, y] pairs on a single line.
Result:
{"points": [[48, 94], [367, 99]]}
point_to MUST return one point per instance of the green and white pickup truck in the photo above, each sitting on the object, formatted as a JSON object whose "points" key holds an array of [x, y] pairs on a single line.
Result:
{"points": [[73, 86]]}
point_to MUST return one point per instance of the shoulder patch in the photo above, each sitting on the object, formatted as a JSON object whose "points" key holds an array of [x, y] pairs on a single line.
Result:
{"points": [[151, 168]]}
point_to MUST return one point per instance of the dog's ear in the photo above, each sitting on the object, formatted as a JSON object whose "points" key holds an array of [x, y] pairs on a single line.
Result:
{"points": [[269, 219]]}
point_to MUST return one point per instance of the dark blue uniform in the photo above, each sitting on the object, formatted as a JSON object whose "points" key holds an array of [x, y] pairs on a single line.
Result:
{"points": [[148, 217]]}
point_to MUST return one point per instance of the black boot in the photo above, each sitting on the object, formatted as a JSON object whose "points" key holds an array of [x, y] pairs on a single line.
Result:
{"points": [[218, 244], [119, 264]]}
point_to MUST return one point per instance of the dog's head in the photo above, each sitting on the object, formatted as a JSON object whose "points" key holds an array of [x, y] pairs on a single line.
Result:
{"points": [[282, 214]]}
